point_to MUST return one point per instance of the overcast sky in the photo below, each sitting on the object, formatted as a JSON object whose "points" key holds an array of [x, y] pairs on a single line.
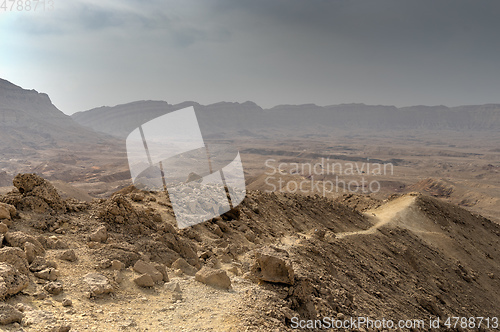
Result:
{"points": [[86, 54]]}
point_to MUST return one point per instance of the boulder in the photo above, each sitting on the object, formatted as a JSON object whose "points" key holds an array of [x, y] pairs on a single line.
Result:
{"points": [[100, 235], [18, 239], [11, 280], [117, 265], [47, 274], [144, 280], [163, 270], [143, 267], [30, 251], [184, 266], [272, 265], [54, 288], [213, 277], [40, 263], [4, 212], [7, 211], [98, 284], [15, 257], [68, 255]]}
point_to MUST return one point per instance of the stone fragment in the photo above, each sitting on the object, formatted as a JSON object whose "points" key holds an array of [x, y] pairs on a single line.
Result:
{"points": [[144, 280], [213, 277]]}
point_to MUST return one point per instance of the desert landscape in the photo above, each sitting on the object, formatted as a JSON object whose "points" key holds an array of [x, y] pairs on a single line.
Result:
{"points": [[352, 212]]}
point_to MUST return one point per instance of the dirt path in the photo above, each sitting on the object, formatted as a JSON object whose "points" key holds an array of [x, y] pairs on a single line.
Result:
{"points": [[383, 215]]}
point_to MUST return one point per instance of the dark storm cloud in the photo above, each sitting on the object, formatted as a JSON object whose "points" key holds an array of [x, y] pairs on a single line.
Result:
{"points": [[270, 51], [397, 24]]}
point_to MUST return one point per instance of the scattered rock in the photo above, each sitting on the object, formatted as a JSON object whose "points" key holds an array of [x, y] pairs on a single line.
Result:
{"points": [[272, 265], [3, 228], [54, 288], [22, 307], [136, 197], [184, 266], [98, 284], [213, 277], [18, 239], [173, 287], [100, 235], [30, 251], [7, 211], [142, 267], [67, 303], [52, 242], [37, 317], [47, 274], [68, 255], [144, 280], [163, 270], [117, 265], [11, 280], [4, 212], [40, 264], [9, 314]]}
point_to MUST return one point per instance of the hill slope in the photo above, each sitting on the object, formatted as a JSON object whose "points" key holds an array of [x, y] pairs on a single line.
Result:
{"points": [[29, 120], [412, 257]]}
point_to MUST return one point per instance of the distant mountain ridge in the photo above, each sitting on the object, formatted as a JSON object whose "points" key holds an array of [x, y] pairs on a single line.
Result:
{"points": [[250, 118]]}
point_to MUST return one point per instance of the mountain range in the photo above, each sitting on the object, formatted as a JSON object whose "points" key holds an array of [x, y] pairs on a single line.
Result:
{"points": [[222, 119]]}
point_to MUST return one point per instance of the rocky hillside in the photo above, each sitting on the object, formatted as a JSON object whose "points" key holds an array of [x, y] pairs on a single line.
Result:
{"points": [[248, 119], [122, 264], [29, 122]]}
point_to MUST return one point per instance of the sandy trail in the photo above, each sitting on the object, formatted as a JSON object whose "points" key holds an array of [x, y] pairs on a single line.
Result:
{"points": [[383, 215]]}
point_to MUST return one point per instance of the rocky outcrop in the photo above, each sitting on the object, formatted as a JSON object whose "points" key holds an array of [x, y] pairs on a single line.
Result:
{"points": [[34, 193]]}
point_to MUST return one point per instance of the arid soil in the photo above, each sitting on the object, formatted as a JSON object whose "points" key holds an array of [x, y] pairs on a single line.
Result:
{"points": [[121, 264]]}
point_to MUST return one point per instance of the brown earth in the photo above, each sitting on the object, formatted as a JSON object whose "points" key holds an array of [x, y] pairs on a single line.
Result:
{"points": [[406, 257]]}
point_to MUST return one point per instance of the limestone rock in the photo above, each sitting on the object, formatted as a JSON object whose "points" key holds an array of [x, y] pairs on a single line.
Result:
{"points": [[38, 194], [143, 267], [7, 211], [98, 284], [184, 266], [11, 280], [144, 280], [15, 257], [100, 235], [213, 277], [54, 288], [163, 270], [18, 239], [9, 314], [68, 255], [272, 265]]}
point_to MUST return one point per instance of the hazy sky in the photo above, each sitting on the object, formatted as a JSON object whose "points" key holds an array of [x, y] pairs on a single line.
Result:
{"points": [[86, 54]]}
